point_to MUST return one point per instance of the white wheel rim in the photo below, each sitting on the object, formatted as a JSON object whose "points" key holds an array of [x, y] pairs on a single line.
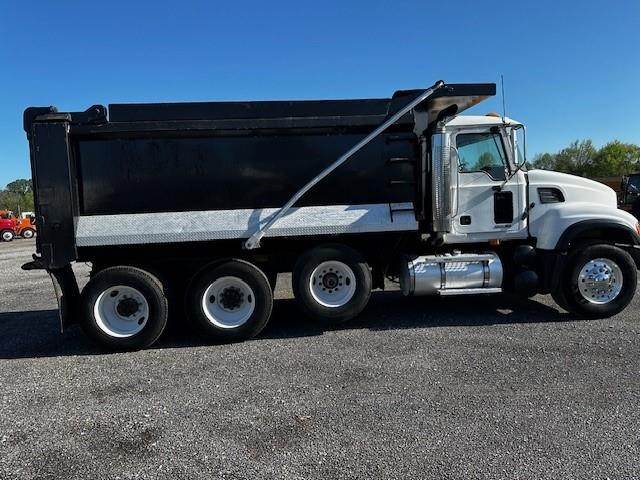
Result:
{"points": [[27, 234], [600, 281], [332, 284], [121, 311], [6, 236], [228, 302]]}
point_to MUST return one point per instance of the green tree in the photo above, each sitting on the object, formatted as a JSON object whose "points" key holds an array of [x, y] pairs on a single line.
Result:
{"points": [[20, 186], [576, 158], [582, 158], [544, 161], [17, 196], [616, 158], [10, 200], [28, 205]]}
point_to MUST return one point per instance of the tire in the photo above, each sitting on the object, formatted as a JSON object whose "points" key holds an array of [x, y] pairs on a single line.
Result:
{"points": [[319, 278], [28, 233], [230, 301], [7, 235], [618, 272], [112, 320]]}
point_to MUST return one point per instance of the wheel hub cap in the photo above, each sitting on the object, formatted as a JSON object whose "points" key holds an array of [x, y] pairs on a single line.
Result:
{"points": [[127, 307], [228, 302], [231, 298], [332, 284], [121, 311], [600, 281], [330, 280]]}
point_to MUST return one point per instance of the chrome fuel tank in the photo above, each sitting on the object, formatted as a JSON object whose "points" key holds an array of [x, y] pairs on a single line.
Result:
{"points": [[451, 274]]}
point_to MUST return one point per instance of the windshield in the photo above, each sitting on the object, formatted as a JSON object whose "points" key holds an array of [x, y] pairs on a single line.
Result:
{"points": [[482, 152]]}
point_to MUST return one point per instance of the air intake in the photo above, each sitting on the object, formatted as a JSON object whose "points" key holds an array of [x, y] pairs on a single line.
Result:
{"points": [[550, 195]]}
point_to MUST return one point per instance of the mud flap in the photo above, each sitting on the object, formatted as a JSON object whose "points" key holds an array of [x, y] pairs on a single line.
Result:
{"points": [[67, 295]]}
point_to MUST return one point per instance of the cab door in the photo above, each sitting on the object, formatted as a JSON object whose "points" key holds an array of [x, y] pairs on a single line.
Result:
{"points": [[487, 202]]}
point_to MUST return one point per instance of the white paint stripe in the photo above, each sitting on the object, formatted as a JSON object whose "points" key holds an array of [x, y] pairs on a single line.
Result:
{"points": [[170, 227]]}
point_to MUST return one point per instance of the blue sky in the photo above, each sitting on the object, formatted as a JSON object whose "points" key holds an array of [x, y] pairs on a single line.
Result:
{"points": [[571, 68]]}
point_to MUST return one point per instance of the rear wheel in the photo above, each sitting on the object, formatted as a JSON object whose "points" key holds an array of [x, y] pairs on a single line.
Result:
{"points": [[7, 235], [230, 301], [332, 284], [124, 308], [599, 281], [28, 233]]}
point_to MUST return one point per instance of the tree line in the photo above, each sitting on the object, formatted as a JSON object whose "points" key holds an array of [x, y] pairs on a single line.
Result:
{"points": [[582, 158], [17, 196]]}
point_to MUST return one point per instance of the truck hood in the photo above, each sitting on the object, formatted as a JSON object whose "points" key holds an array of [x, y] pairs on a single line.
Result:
{"points": [[574, 188], [584, 201]]}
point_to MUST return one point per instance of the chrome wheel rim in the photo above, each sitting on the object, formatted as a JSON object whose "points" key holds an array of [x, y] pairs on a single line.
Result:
{"points": [[121, 311], [228, 302], [332, 284], [600, 281]]}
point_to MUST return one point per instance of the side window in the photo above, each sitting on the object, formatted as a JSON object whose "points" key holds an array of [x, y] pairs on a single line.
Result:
{"points": [[482, 152]]}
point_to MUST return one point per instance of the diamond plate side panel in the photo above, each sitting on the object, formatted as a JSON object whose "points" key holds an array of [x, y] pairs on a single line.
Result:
{"points": [[171, 227]]}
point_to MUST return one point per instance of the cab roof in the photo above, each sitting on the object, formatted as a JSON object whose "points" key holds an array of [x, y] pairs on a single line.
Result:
{"points": [[480, 120]]}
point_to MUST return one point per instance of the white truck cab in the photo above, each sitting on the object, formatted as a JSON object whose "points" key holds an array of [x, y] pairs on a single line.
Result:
{"points": [[555, 233], [495, 197]]}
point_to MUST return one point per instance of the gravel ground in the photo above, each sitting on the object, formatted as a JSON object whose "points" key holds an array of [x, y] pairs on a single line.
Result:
{"points": [[420, 388]]}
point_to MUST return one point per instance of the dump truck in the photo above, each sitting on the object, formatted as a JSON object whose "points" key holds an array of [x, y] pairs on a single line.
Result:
{"points": [[194, 209]]}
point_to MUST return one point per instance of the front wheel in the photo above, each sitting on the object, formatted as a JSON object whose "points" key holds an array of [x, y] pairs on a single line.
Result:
{"points": [[28, 233], [7, 235], [599, 281]]}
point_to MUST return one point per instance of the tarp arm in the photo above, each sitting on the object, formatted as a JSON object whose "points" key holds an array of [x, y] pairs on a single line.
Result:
{"points": [[254, 240]]}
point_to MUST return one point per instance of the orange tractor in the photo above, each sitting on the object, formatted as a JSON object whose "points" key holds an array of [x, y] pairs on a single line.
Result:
{"points": [[10, 225]]}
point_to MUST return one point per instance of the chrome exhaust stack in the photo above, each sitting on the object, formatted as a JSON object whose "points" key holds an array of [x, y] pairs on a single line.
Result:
{"points": [[452, 274], [441, 179]]}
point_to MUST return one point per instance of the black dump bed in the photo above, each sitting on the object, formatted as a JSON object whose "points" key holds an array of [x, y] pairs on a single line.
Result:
{"points": [[187, 157], [233, 155]]}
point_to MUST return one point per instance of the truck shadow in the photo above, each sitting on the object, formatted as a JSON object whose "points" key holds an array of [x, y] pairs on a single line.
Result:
{"points": [[33, 334]]}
